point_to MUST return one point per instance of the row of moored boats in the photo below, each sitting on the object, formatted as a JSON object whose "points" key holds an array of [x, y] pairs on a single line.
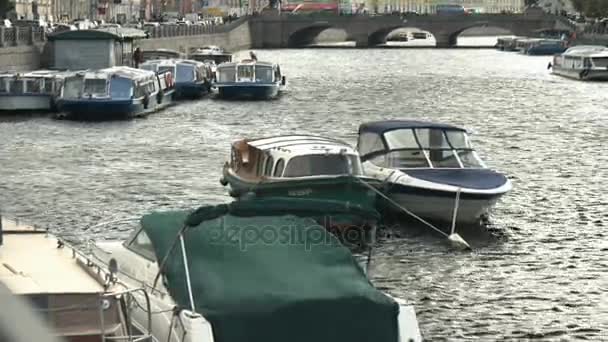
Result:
{"points": [[125, 92]]}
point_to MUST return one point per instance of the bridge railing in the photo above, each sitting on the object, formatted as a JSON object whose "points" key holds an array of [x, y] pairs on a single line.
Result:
{"points": [[17, 36]]}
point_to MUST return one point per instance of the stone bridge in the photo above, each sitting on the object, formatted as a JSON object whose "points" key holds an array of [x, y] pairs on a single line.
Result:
{"points": [[283, 31]]}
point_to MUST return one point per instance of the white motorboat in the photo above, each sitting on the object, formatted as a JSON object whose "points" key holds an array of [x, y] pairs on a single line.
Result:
{"points": [[423, 166], [207, 286], [30, 91], [583, 62], [81, 300]]}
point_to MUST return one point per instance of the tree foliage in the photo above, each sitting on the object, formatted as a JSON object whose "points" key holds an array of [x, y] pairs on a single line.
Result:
{"points": [[5, 7], [591, 8]]}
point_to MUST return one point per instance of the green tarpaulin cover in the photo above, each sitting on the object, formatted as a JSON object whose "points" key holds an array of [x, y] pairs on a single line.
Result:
{"points": [[260, 275]]}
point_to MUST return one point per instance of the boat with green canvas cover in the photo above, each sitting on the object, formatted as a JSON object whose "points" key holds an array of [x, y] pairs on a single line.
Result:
{"points": [[256, 270], [301, 166]]}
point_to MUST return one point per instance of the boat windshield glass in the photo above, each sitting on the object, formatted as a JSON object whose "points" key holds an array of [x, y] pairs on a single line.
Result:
{"points": [[321, 164], [263, 73], [427, 147], [226, 74], [15, 86], [48, 85], [185, 73], [165, 68], [95, 86], [245, 72], [72, 87], [33, 85], [121, 88], [370, 142], [600, 62]]}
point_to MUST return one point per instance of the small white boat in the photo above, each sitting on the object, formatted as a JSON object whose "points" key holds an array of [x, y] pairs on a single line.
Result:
{"points": [[423, 166], [79, 299], [211, 54], [583, 62], [30, 91], [249, 79], [192, 78], [115, 93]]}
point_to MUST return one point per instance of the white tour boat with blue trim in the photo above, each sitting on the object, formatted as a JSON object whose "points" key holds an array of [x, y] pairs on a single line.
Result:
{"points": [[30, 91], [192, 78], [582, 62], [115, 93], [423, 166], [249, 79]]}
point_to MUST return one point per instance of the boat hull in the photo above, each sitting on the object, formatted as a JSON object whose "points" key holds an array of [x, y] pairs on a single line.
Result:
{"points": [[582, 74], [248, 91], [340, 188], [108, 109], [191, 90], [545, 51], [26, 103], [439, 205]]}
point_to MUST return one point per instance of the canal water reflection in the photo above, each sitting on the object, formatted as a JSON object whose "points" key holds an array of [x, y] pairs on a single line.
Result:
{"points": [[540, 273]]}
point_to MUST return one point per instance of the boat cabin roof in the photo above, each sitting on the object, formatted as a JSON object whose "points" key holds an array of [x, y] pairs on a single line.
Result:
{"points": [[587, 51], [381, 127], [302, 144], [32, 263], [122, 71], [37, 74], [246, 62]]}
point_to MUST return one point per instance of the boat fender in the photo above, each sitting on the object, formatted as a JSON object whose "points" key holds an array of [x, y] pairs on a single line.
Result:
{"points": [[159, 96], [146, 101]]}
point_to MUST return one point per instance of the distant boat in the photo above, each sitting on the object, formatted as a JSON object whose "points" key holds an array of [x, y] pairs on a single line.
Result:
{"points": [[420, 35], [249, 79], [115, 93], [162, 54], [30, 91], [192, 78], [422, 166], [507, 43], [583, 62], [544, 47], [211, 54]]}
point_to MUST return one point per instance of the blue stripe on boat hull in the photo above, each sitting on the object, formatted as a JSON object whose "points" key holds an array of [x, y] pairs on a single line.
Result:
{"points": [[248, 92], [99, 110]]}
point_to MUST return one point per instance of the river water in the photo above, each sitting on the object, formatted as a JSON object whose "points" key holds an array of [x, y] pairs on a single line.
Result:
{"points": [[539, 272]]}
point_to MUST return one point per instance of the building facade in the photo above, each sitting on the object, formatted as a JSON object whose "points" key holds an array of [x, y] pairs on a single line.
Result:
{"points": [[429, 6]]}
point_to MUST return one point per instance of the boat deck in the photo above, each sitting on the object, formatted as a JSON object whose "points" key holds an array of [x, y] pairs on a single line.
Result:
{"points": [[25, 256]]}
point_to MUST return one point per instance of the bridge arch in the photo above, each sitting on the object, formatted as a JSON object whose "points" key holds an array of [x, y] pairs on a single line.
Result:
{"points": [[307, 35], [452, 37]]}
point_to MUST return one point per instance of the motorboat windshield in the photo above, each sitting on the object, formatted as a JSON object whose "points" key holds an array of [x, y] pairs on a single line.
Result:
{"points": [[419, 147]]}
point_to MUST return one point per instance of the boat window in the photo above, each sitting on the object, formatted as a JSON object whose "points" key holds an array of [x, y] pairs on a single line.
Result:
{"points": [[470, 159], [278, 170], [370, 142], [48, 86], [226, 74], [268, 166], [401, 138], [142, 245], [15, 86], [431, 138], [403, 159], [33, 86], [3, 85], [316, 165], [601, 62], [166, 68], [245, 72], [263, 74], [185, 73], [95, 86], [72, 87], [458, 139], [121, 88], [443, 158]]}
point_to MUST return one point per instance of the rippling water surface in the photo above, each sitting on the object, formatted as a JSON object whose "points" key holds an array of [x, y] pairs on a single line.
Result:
{"points": [[540, 273]]}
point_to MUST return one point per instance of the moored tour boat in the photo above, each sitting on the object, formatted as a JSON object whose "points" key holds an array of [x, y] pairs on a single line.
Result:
{"points": [[249, 79], [507, 43], [583, 62], [30, 91], [81, 300], [192, 78], [302, 166], [543, 47], [115, 93], [423, 166], [252, 271]]}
